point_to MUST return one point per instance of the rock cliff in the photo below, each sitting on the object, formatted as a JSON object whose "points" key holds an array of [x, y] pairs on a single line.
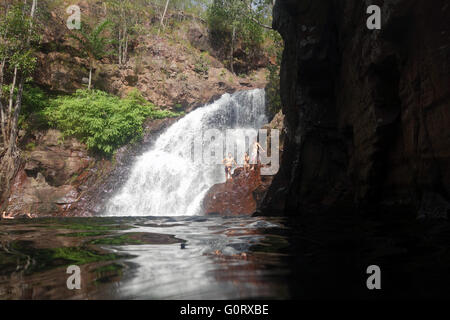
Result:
{"points": [[367, 111], [59, 177], [178, 70]]}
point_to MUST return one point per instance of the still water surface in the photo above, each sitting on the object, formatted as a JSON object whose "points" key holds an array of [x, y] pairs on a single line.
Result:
{"points": [[145, 258]]}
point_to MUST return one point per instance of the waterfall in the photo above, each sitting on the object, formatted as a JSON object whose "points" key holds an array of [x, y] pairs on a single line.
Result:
{"points": [[165, 181]]}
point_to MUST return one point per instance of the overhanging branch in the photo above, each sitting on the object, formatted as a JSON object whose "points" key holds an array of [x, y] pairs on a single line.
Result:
{"points": [[256, 20]]}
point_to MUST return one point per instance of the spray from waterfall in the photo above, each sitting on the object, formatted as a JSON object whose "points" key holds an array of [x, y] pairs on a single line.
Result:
{"points": [[165, 181]]}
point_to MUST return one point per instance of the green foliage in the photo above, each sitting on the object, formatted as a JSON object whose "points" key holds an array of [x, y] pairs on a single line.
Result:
{"points": [[201, 66], [18, 39], [102, 121], [30, 146], [239, 22], [93, 44], [34, 101], [222, 74]]}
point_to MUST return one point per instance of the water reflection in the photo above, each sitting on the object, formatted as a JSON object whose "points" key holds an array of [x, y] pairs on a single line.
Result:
{"points": [[145, 258]]}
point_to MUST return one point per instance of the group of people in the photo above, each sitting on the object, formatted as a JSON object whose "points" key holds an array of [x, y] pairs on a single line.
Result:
{"points": [[249, 164], [10, 216]]}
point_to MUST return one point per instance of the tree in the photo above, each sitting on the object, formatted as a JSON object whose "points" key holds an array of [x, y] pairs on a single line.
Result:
{"points": [[239, 20], [18, 36], [130, 16], [273, 98], [163, 15], [121, 14], [93, 43]]}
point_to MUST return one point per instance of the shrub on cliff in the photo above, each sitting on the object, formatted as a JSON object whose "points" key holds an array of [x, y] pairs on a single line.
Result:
{"points": [[104, 122]]}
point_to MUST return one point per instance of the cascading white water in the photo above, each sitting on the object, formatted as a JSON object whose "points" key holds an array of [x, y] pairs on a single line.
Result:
{"points": [[165, 181]]}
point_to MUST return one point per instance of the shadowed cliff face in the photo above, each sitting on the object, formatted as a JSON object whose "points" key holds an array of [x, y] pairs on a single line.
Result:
{"points": [[367, 111]]}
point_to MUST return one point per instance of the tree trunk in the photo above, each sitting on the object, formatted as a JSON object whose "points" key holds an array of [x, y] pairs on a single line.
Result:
{"points": [[10, 162], [11, 101], [4, 137], [90, 77], [232, 49], [162, 18], [2, 111], [15, 120], [33, 11], [125, 52], [120, 46]]}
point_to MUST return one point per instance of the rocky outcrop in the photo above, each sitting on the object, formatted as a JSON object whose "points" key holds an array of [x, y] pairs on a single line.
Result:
{"points": [[48, 180], [367, 111], [56, 158], [244, 194], [178, 70], [239, 196], [199, 38], [58, 177], [165, 72]]}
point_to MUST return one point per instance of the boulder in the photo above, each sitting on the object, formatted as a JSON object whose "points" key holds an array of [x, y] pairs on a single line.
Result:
{"points": [[198, 37], [56, 159], [35, 195], [234, 197]]}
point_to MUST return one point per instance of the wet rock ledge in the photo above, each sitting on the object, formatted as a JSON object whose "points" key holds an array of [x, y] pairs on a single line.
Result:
{"points": [[240, 196]]}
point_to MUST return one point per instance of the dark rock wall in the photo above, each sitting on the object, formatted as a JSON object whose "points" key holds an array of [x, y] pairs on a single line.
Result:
{"points": [[367, 111]]}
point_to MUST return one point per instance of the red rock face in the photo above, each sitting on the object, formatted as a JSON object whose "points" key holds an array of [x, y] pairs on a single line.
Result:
{"points": [[59, 177], [48, 181], [234, 197]]}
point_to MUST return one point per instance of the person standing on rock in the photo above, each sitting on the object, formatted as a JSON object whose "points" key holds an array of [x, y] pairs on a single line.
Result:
{"points": [[246, 162], [228, 162], [256, 148]]}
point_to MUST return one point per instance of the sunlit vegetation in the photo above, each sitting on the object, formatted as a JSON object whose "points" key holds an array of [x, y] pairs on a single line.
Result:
{"points": [[103, 121], [19, 37]]}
